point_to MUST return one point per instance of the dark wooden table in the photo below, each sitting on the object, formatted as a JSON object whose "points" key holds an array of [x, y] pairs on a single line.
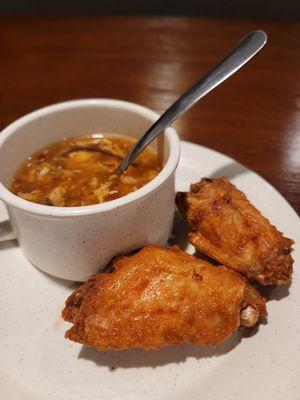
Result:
{"points": [[254, 117]]}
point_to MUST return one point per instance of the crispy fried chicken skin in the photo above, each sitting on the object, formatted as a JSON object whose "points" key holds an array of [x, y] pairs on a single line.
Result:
{"points": [[228, 228], [159, 297]]}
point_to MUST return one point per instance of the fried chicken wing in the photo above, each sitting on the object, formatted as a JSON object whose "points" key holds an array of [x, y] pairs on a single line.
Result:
{"points": [[227, 228], [159, 297]]}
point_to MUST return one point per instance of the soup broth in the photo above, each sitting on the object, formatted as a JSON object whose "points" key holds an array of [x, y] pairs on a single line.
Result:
{"points": [[81, 171]]}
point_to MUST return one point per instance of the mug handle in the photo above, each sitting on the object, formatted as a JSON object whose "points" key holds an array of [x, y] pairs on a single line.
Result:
{"points": [[6, 231]]}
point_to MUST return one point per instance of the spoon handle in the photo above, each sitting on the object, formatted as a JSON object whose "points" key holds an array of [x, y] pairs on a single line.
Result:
{"points": [[240, 55]]}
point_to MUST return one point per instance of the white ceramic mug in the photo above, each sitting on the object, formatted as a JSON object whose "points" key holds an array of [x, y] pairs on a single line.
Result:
{"points": [[75, 242]]}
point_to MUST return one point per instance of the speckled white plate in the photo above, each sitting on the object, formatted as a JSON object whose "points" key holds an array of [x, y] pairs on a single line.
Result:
{"points": [[37, 363]]}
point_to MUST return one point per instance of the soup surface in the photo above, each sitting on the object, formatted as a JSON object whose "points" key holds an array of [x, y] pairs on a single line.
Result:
{"points": [[80, 172]]}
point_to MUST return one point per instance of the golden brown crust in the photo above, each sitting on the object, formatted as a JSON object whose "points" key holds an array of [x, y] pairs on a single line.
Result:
{"points": [[226, 227], [159, 297]]}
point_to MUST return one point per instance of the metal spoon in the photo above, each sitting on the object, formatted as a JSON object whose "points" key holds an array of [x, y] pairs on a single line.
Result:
{"points": [[240, 55]]}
